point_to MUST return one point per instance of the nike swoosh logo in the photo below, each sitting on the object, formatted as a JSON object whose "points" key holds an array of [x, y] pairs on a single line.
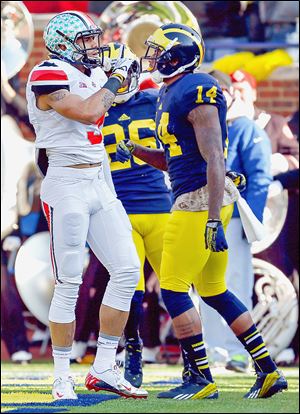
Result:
{"points": [[127, 388], [59, 395]]}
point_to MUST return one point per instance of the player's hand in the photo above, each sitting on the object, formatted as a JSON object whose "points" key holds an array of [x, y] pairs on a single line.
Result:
{"points": [[124, 150], [124, 67], [215, 236], [239, 180]]}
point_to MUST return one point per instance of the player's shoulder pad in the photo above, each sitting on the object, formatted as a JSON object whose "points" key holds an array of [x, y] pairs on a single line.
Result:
{"points": [[193, 80], [51, 72], [197, 89]]}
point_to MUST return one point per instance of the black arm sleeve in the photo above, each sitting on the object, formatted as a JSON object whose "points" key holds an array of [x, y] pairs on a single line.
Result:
{"points": [[46, 89]]}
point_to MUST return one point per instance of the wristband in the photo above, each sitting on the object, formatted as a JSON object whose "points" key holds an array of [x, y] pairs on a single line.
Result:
{"points": [[113, 84]]}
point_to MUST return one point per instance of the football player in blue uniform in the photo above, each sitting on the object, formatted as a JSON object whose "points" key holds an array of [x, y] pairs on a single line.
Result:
{"points": [[191, 124], [140, 187]]}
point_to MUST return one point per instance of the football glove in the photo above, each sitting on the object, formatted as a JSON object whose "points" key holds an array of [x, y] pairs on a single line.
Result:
{"points": [[239, 180], [124, 67], [124, 150], [214, 236]]}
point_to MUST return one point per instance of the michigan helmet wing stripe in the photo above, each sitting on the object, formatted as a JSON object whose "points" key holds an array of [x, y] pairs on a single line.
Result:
{"points": [[172, 30]]}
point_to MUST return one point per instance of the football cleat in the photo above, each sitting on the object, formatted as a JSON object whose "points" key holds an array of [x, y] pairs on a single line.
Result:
{"points": [[267, 385], [133, 364], [112, 380], [192, 390], [64, 389]]}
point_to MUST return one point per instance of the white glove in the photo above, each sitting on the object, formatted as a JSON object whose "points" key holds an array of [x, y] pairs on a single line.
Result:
{"points": [[123, 66]]}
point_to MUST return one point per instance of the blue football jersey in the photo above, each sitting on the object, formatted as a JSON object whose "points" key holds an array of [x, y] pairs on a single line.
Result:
{"points": [[140, 187], [186, 166]]}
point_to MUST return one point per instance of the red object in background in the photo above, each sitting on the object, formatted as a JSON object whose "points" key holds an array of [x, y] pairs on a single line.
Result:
{"points": [[241, 76], [55, 6], [148, 84]]}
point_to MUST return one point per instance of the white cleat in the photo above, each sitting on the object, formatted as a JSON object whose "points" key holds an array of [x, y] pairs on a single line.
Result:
{"points": [[64, 389], [112, 380]]}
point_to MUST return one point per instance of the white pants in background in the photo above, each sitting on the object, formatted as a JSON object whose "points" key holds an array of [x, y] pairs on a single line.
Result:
{"points": [[240, 281]]}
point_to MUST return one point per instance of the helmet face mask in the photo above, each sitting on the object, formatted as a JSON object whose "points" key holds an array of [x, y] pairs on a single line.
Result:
{"points": [[173, 49], [111, 53], [66, 30]]}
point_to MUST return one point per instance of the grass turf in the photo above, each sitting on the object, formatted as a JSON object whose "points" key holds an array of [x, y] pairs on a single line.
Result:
{"points": [[27, 389]]}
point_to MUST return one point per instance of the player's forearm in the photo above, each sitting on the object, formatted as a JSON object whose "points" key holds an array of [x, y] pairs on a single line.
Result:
{"points": [[154, 157], [100, 102], [216, 184]]}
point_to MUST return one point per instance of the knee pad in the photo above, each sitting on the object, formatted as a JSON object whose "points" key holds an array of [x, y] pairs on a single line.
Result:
{"points": [[120, 289], [63, 304], [71, 267], [227, 305], [176, 302]]}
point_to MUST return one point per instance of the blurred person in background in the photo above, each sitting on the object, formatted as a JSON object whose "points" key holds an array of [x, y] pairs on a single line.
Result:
{"points": [[284, 168], [249, 153], [276, 126]]}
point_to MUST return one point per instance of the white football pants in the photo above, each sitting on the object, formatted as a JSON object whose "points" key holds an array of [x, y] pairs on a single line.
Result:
{"points": [[240, 281], [80, 207]]}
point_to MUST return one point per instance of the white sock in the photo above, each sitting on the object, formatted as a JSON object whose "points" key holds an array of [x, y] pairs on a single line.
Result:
{"points": [[61, 356], [106, 352]]}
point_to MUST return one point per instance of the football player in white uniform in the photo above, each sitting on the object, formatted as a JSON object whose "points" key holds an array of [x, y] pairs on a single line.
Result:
{"points": [[68, 96]]}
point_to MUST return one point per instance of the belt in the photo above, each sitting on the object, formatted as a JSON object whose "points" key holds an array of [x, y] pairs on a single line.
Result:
{"points": [[97, 164]]}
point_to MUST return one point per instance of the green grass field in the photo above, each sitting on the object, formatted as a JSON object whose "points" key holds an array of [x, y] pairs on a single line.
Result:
{"points": [[27, 389]]}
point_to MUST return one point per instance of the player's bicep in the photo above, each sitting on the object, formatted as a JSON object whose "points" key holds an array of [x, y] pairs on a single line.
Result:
{"points": [[65, 103], [206, 124]]}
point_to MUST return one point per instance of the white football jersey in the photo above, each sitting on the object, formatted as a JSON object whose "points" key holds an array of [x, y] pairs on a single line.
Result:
{"points": [[62, 137]]}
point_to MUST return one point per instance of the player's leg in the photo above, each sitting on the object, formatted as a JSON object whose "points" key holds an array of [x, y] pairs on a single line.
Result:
{"points": [[111, 240], [183, 257], [213, 290], [240, 279], [68, 221], [133, 343]]}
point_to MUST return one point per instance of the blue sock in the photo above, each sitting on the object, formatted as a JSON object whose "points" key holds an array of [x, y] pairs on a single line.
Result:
{"points": [[196, 354], [254, 344], [131, 330]]}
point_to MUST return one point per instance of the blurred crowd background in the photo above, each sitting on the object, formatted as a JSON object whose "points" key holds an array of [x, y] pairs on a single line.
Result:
{"points": [[255, 45]]}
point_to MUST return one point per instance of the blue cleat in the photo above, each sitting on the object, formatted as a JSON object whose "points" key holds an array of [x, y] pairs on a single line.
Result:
{"points": [[267, 385], [192, 389], [133, 363]]}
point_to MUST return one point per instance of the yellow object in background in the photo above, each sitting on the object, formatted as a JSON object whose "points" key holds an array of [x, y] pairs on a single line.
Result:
{"points": [[230, 63], [260, 66]]}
